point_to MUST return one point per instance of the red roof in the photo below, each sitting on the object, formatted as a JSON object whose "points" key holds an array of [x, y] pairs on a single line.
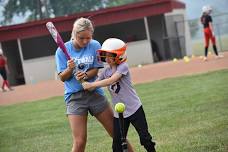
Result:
{"points": [[100, 17]]}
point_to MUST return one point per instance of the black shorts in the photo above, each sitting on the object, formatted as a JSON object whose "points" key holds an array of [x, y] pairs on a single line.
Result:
{"points": [[3, 73]]}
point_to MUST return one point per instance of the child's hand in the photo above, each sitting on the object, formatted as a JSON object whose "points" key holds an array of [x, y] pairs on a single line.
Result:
{"points": [[88, 86]]}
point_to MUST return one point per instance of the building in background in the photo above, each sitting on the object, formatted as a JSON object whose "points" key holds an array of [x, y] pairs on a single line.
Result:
{"points": [[153, 30]]}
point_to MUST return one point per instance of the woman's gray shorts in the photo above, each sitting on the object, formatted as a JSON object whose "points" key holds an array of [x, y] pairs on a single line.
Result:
{"points": [[82, 102]]}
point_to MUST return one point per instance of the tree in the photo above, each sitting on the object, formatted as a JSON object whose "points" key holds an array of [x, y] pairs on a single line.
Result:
{"points": [[72, 6], [121, 2], [21, 7], [39, 9]]}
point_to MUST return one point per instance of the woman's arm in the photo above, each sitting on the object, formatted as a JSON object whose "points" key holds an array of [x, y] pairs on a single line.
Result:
{"points": [[211, 27], [67, 73], [86, 75]]}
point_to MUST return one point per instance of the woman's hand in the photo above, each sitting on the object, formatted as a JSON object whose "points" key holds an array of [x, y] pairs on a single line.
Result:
{"points": [[67, 73], [213, 33], [71, 64], [80, 76]]}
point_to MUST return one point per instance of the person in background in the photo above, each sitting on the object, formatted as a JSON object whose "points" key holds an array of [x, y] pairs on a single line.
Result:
{"points": [[118, 80], [4, 70], [208, 30]]}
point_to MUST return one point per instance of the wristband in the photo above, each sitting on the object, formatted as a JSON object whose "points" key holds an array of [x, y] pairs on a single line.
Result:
{"points": [[85, 77]]}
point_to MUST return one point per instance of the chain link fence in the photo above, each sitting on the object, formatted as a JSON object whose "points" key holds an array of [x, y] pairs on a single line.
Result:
{"points": [[220, 25]]}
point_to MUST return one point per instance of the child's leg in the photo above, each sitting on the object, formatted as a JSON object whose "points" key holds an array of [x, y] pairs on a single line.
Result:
{"points": [[138, 120], [116, 143]]}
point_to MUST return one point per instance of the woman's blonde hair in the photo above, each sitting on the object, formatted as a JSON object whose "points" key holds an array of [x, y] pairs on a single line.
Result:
{"points": [[80, 25]]}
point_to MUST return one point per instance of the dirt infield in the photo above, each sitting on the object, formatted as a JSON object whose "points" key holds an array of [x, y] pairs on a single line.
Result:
{"points": [[147, 73]]}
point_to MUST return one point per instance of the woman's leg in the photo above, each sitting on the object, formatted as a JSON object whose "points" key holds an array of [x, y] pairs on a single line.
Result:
{"points": [[206, 42], [8, 85], [78, 126], [213, 41], [4, 77], [106, 119], [3, 85]]}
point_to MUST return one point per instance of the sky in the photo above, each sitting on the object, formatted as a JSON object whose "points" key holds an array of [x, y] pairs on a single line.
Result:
{"points": [[193, 8], [1, 9]]}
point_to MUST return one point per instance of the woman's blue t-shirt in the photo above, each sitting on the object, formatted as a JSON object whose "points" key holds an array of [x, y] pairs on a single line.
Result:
{"points": [[85, 59]]}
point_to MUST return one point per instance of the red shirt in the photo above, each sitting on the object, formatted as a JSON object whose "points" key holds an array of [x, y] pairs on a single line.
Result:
{"points": [[2, 62]]}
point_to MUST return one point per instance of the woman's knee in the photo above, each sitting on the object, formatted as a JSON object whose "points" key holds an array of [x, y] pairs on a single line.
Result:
{"points": [[79, 145], [106, 119]]}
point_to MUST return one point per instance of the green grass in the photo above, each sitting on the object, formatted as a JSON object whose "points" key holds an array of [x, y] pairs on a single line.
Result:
{"points": [[198, 45], [185, 114]]}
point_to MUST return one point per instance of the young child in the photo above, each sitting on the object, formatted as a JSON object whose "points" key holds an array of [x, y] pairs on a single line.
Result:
{"points": [[118, 80]]}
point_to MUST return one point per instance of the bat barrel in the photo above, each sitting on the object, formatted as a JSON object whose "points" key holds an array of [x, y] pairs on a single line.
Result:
{"points": [[57, 38]]}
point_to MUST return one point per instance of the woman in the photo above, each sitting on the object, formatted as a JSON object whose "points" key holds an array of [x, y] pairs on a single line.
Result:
{"points": [[206, 20], [83, 65], [3, 71]]}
